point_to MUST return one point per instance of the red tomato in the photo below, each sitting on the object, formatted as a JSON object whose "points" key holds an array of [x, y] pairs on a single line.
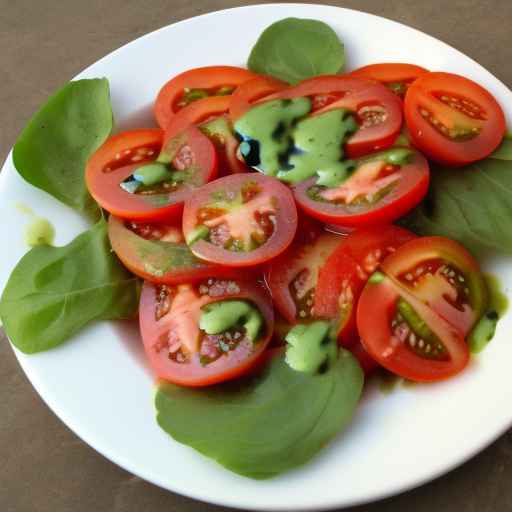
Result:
{"points": [[443, 275], [396, 76], [344, 274], [240, 220], [389, 338], [116, 160], [367, 363], [452, 119], [209, 81], [377, 110], [179, 351], [292, 276], [248, 93], [158, 253], [375, 193]]}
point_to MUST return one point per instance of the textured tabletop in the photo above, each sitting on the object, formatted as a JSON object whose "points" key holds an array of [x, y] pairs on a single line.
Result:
{"points": [[44, 467]]}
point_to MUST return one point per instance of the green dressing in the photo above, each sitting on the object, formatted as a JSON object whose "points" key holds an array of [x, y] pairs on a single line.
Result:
{"points": [[39, 232]]}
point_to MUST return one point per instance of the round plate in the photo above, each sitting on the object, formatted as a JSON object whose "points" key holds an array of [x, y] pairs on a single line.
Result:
{"points": [[100, 385]]}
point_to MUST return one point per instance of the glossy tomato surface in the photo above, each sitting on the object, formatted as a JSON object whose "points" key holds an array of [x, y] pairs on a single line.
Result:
{"points": [[392, 342], [192, 156], [442, 274], [240, 220], [397, 76], [452, 119], [157, 252], [375, 193], [208, 81]]}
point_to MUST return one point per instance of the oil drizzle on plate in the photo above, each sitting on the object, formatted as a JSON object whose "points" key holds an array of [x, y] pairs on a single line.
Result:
{"points": [[39, 231]]}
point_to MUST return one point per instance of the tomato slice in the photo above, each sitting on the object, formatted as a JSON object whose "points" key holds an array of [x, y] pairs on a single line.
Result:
{"points": [[452, 119], [251, 91], [365, 360], [194, 85], [345, 272], [240, 220], [157, 252], [396, 76], [377, 110], [377, 191], [442, 274], [181, 352], [292, 276], [111, 172], [425, 350]]}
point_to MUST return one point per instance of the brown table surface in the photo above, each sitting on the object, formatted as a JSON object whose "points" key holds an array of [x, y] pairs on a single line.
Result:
{"points": [[43, 465]]}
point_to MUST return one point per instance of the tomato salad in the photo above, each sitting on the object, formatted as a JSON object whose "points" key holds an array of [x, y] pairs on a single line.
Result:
{"points": [[265, 220]]}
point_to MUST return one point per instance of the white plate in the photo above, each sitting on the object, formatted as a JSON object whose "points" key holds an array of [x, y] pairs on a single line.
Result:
{"points": [[100, 385]]}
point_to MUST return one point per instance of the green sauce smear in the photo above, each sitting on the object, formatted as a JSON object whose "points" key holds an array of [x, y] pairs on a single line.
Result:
{"points": [[39, 232]]}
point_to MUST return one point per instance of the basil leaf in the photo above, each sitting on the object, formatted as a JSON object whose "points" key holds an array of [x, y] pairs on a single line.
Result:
{"points": [[54, 291], [262, 426], [53, 148], [293, 49], [471, 204]]}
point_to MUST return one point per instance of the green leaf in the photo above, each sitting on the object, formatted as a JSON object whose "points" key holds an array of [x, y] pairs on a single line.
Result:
{"points": [[53, 148], [294, 49], [471, 204], [54, 291], [262, 426], [504, 150]]}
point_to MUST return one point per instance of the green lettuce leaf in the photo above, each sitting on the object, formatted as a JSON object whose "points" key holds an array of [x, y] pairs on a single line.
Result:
{"points": [[262, 426], [55, 291], [294, 49], [54, 146]]}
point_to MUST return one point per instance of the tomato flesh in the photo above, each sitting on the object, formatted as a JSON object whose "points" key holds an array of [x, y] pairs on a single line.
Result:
{"points": [[193, 162], [179, 351], [452, 119], [240, 220], [375, 193]]}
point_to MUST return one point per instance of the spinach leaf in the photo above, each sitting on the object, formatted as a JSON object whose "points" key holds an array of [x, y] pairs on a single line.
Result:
{"points": [[53, 148], [293, 49], [472, 204], [263, 425], [504, 150], [54, 291]]}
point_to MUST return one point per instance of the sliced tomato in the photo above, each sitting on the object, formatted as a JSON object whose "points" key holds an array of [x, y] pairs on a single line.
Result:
{"points": [[376, 192], [397, 76], [345, 272], [111, 169], [180, 351], [365, 360], [452, 119], [157, 252], [377, 110], [250, 92], [194, 85], [443, 275], [426, 349], [292, 276], [220, 131], [240, 220]]}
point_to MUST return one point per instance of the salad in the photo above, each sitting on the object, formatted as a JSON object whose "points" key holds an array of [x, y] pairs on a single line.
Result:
{"points": [[286, 232]]}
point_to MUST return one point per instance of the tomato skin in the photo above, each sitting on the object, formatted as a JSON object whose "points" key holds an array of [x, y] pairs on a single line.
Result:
{"points": [[250, 92], [415, 252], [207, 77], [375, 311], [104, 185], [193, 374], [389, 73], [424, 95], [299, 257], [410, 189], [125, 244], [354, 94], [344, 274], [367, 363], [285, 224]]}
